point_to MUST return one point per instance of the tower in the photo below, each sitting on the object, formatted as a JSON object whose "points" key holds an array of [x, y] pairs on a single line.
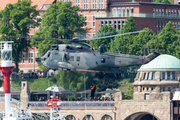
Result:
{"points": [[6, 68]]}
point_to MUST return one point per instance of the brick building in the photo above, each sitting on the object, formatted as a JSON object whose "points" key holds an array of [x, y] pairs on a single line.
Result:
{"points": [[109, 12]]}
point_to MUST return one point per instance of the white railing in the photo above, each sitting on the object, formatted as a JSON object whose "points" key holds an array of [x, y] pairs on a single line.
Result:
{"points": [[77, 104]]}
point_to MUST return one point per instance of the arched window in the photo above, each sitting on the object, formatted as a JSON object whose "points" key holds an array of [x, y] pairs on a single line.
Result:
{"points": [[70, 117], [88, 117], [106, 117]]}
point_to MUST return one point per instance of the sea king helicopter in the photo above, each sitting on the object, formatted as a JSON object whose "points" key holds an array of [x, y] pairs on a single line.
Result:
{"points": [[81, 56]]}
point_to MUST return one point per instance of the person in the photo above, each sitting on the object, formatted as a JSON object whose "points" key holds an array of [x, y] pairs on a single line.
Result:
{"points": [[93, 89]]}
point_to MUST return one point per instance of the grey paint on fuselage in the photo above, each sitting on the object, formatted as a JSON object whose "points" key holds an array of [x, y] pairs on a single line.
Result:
{"points": [[82, 56]]}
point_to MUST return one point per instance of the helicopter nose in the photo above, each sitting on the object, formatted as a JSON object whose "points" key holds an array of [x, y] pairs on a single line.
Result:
{"points": [[38, 59]]}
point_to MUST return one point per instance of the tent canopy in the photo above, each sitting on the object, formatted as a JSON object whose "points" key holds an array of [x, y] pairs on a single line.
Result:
{"points": [[67, 92], [55, 88], [108, 91]]}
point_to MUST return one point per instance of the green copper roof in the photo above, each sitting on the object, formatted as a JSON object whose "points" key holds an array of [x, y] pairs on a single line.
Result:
{"points": [[163, 61]]}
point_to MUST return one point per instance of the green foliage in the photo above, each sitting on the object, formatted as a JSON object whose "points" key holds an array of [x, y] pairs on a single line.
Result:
{"points": [[142, 41], [123, 42], [164, 1], [167, 37], [35, 84], [14, 21], [61, 20], [127, 87], [104, 31], [74, 80]]}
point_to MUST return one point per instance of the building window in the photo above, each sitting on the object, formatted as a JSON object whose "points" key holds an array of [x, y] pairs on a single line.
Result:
{"points": [[38, 20], [85, 20], [175, 24], [147, 89], [163, 25], [119, 24], [123, 23], [169, 12], [143, 88], [144, 76], [157, 27], [163, 88], [149, 76], [162, 12], [159, 12], [175, 13], [152, 89], [94, 4], [172, 13], [163, 75], [85, 4], [119, 12], [109, 22], [101, 23], [70, 117], [156, 12], [107, 117], [178, 25], [78, 58], [179, 13], [153, 75], [88, 117], [173, 75], [46, 7], [169, 89], [72, 58], [168, 76], [115, 12], [22, 58], [166, 12], [100, 4], [146, 96], [30, 57], [124, 12], [77, 3], [132, 11], [94, 21], [115, 24], [127, 9]]}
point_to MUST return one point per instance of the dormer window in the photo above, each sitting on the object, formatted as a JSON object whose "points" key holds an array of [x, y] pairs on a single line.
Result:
{"points": [[46, 7]]}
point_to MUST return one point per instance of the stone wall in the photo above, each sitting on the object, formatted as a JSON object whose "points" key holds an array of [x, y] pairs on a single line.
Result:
{"points": [[132, 108]]}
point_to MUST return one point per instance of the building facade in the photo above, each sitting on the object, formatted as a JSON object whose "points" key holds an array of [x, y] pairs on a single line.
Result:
{"points": [[107, 12]]}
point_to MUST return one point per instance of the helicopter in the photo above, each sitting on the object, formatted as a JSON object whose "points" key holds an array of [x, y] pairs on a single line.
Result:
{"points": [[80, 56]]}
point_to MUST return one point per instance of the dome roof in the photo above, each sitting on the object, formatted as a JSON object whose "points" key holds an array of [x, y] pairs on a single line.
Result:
{"points": [[55, 88], [162, 62]]}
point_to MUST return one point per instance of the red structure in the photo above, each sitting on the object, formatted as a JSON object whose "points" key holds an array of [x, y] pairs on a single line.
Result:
{"points": [[53, 103]]}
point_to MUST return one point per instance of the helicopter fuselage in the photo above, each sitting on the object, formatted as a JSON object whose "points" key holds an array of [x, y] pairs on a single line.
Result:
{"points": [[80, 56]]}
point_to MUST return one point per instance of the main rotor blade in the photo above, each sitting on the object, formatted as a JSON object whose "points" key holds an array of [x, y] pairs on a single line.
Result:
{"points": [[43, 38], [115, 35]]}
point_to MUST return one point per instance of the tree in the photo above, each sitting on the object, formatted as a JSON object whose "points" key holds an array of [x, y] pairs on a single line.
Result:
{"points": [[61, 20], [164, 1], [167, 37], [15, 19], [142, 41], [74, 80], [122, 43], [104, 31]]}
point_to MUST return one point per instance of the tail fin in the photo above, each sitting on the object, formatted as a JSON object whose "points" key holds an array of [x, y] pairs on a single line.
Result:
{"points": [[150, 57]]}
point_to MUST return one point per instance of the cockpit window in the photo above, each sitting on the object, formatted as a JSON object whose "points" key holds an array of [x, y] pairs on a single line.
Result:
{"points": [[78, 58], [49, 53], [72, 58]]}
